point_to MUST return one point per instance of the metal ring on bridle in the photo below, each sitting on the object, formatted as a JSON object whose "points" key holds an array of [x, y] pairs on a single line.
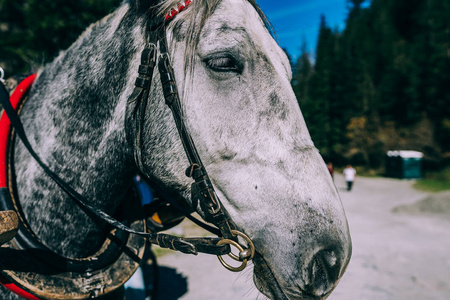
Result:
{"points": [[222, 261], [247, 256]]}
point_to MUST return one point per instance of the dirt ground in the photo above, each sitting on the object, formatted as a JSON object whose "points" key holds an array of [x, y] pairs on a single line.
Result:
{"points": [[401, 242]]}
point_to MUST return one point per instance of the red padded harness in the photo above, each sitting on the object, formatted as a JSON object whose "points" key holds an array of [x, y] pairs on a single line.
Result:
{"points": [[5, 131], [5, 126]]}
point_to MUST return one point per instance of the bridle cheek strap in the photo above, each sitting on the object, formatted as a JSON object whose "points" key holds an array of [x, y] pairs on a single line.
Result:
{"points": [[137, 103], [202, 190]]}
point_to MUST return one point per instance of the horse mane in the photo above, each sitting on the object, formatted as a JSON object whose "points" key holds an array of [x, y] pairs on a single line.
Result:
{"points": [[206, 8]]}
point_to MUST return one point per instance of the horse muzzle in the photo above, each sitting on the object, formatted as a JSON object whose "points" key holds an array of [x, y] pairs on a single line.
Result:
{"points": [[321, 275]]}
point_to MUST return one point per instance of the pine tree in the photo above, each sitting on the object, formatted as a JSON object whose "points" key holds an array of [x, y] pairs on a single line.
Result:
{"points": [[317, 108], [388, 71], [303, 71], [434, 42]]}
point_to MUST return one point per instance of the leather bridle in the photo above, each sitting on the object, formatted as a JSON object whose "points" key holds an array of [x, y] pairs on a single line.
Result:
{"points": [[202, 190]]}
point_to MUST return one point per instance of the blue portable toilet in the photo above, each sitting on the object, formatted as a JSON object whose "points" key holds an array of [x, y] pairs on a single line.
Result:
{"points": [[404, 164]]}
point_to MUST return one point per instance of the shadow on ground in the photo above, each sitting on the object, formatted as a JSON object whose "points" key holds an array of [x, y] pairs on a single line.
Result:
{"points": [[172, 285]]}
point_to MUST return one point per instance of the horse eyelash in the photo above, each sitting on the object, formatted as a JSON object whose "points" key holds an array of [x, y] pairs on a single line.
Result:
{"points": [[223, 64]]}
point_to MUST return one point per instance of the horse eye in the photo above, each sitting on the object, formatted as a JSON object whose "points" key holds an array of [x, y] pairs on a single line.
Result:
{"points": [[223, 64]]}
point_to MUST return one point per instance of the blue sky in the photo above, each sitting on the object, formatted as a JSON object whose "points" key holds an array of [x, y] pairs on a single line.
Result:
{"points": [[295, 20]]}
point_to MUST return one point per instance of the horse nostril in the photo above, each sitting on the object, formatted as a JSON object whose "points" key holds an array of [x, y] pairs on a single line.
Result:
{"points": [[324, 272]]}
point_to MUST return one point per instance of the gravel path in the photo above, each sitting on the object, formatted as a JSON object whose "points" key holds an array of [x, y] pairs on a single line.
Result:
{"points": [[400, 250]]}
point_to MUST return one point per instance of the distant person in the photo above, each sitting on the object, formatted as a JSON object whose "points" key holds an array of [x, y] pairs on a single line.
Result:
{"points": [[350, 176], [330, 169]]}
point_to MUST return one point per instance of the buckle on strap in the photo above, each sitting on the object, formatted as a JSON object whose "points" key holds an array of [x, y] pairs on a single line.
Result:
{"points": [[192, 245]]}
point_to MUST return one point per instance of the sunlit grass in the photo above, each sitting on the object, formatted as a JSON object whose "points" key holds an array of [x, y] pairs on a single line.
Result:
{"points": [[435, 181], [432, 185]]}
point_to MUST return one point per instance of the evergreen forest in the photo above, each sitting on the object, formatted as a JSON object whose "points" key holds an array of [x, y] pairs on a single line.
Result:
{"points": [[382, 83]]}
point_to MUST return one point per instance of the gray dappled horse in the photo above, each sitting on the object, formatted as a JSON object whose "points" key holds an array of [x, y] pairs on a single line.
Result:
{"points": [[234, 82]]}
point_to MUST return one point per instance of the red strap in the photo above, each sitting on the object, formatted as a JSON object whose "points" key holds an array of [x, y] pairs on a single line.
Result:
{"points": [[5, 126], [15, 289]]}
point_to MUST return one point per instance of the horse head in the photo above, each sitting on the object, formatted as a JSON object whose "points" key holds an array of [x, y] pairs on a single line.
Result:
{"points": [[239, 106]]}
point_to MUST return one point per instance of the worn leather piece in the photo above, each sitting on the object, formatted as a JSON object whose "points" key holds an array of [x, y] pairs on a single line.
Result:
{"points": [[9, 225], [12, 82]]}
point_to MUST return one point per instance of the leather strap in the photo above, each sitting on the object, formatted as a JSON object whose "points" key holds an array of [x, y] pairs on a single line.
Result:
{"points": [[193, 246], [203, 192], [202, 189], [138, 101], [74, 195]]}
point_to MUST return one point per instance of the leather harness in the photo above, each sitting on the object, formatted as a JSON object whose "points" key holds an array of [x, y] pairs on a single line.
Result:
{"points": [[202, 190], [123, 248]]}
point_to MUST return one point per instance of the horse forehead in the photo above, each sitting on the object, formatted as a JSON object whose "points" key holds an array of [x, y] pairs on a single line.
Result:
{"points": [[235, 16], [237, 12]]}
